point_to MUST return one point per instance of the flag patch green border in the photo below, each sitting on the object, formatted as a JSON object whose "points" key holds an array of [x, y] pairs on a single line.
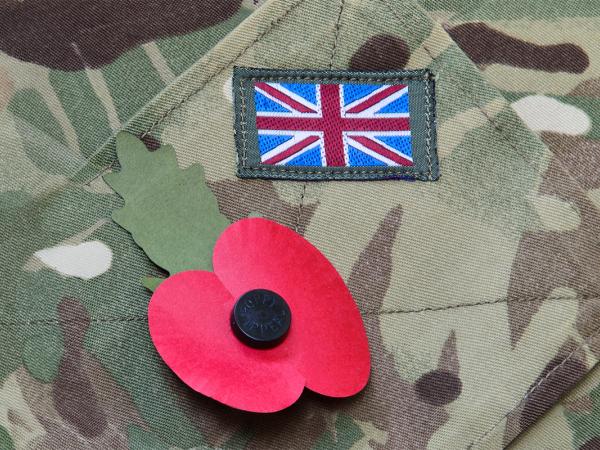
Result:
{"points": [[421, 85]]}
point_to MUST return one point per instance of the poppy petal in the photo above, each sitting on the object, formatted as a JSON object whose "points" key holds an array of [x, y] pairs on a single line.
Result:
{"points": [[189, 321], [327, 330]]}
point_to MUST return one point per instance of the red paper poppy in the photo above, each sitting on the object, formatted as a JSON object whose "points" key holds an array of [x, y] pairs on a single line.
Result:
{"points": [[326, 347]]}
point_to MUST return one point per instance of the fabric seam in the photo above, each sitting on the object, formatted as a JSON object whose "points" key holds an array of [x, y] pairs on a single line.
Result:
{"points": [[531, 390], [481, 303], [505, 137], [51, 321], [258, 38], [492, 122]]}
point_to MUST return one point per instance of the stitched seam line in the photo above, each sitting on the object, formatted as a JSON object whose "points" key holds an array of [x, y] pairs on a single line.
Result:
{"points": [[336, 34], [93, 320], [273, 23], [333, 78], [243, 123], [333, 172], [428, 122], [583, 345], [366, 312], [300, 206], [401, 170], [501, 131], [465, 305]]}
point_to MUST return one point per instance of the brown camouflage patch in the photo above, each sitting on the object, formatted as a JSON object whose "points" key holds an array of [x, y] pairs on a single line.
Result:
{"points": [[592, 444], [217, 422], [484, 45], [559, 375], [370, 276], [579, 156], [67, 35], [449, 358], [241, 198], [84, 408], [150, 142], [547, 260], [583, 405], [438, 387], [381, 52], [587, 88], [73, 394], [300, 426], [442, 385], [409, 421]]}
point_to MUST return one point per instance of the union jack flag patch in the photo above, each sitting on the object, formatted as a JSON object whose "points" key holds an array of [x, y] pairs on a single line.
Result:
{"points": [[335, 125]]}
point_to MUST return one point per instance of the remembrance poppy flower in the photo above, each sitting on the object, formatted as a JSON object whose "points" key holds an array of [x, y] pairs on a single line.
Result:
{"points": [[273, 317]]}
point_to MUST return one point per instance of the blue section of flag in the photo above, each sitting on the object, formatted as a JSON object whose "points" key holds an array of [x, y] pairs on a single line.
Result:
{"points": [[358, 158], [353, 92], [397, 106], [307, 91], [400, 143], [267, 142], [265, 104], [309, 158]]}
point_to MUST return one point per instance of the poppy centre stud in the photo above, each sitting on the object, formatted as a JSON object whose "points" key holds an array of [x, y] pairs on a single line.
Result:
{"points": [[261, 318]]}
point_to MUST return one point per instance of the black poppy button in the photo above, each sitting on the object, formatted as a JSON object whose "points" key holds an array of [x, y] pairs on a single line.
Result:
{"points": [[261, 318]]}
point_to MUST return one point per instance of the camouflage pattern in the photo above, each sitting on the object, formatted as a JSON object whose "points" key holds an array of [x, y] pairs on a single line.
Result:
{"points": [[572, 423], [479, 291]]}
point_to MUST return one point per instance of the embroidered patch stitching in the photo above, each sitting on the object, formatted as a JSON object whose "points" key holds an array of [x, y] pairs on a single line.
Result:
{"points": [[245, 76], [428, 122], [243, 123]]}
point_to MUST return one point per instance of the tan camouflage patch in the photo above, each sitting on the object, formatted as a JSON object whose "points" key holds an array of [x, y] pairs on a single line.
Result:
{"points": [[6, 88]]}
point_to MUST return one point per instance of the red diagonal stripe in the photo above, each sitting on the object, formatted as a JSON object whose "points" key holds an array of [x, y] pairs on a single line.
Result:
{"points": [[332, 126], [316, 124], [378, 148], [293, 149], [273, 92], [376, 98]]}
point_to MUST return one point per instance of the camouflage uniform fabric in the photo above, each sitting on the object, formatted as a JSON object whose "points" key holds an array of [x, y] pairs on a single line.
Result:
{"points": [[480, 292]]}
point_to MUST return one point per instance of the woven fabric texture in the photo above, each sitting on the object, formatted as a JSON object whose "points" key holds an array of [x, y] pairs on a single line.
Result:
{"points": [[479, 291]]}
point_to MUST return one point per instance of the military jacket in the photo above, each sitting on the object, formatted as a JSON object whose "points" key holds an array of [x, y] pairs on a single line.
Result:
{"points": [[478, 285]]}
